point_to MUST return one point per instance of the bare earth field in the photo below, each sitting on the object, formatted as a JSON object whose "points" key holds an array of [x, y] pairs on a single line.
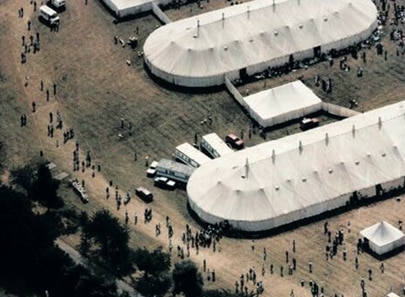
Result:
{"points": [[96, 88]]}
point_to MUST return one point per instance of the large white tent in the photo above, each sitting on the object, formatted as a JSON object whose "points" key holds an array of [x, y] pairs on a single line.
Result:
{"points": [[383, 237], [305, 174], [281, 104], [248, 38]]}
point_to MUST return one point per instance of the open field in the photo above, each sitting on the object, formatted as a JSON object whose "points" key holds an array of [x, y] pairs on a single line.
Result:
{"points": [[96, 88]]}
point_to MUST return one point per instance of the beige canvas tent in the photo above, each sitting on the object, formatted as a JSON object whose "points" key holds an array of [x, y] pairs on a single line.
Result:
{"points": [[126, 8], [305, 174], [248, 38], [281, 104], [383, 238]]}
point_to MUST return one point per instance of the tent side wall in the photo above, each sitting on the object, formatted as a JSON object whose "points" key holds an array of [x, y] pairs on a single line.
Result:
{"points": [[384, 249], [273, 222], [288, 116], [190, 81], [131, 11], [111, 5], [133, 7]]}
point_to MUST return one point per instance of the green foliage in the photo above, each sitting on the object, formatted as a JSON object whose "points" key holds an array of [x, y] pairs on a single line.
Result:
{"points": [[38, 184], [44, 188], [187, 279], [152, 263], [109, 241], [77, 281], [156, 280], [84, 246], [95, 286], [30, 261], [27, 242], [154, 285], [23, 177]]}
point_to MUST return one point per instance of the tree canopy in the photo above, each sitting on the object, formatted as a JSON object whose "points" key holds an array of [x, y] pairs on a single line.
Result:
{"points": [[152, 263], [187, 279], [156, 280], [44, 188], [39, 185], [108, 241], [30, 261]]}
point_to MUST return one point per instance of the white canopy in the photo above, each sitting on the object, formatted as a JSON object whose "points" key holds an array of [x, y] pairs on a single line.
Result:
{"points": [[304, 174], [200, 51], [126, 8], [281, 104], [383, 237]]}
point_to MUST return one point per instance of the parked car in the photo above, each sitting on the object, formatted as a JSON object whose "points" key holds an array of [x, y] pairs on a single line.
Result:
{"points": [[234, 141], [164, 183], [307, 123], [144, 194]]}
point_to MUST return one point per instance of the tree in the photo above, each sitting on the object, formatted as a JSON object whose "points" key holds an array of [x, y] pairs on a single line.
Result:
{"points": [[23, 177], [187, 279], [154, 285], [109, 241], [27, 253], [156, 280], [44, 188], [30, 261], [152, 263], [84, 246]]}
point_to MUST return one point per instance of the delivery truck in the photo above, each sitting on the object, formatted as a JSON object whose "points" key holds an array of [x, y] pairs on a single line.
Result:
{"points": [[49, 15]]}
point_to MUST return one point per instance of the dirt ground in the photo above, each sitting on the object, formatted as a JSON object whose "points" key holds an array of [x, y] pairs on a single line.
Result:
{"points": [[95, 89]]}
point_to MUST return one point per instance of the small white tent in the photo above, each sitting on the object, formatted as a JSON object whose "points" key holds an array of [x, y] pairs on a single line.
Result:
{"points": [[383, 237], [281, 104]]}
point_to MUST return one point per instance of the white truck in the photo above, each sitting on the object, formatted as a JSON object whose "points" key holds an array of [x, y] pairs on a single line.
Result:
{"points": [[59, 4], [49, 15]]}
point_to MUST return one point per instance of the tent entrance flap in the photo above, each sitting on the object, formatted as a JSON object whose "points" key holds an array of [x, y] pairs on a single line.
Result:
{"points": [[317, 51], [243, 73]]}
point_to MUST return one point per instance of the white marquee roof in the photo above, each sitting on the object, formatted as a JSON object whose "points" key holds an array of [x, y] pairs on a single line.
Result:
{"points": [[382, 233], [283, 103], [254, 35], [267, 185], [126, 8]]}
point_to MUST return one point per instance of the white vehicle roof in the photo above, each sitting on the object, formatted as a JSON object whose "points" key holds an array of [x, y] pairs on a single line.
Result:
{"points": [[47, 10], [193, 153], [217, 144]]}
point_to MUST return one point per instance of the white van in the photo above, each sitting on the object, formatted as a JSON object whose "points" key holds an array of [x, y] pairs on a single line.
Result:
{"points": [[189, 155], [49, 15], [58, 4], [214, 145]]}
